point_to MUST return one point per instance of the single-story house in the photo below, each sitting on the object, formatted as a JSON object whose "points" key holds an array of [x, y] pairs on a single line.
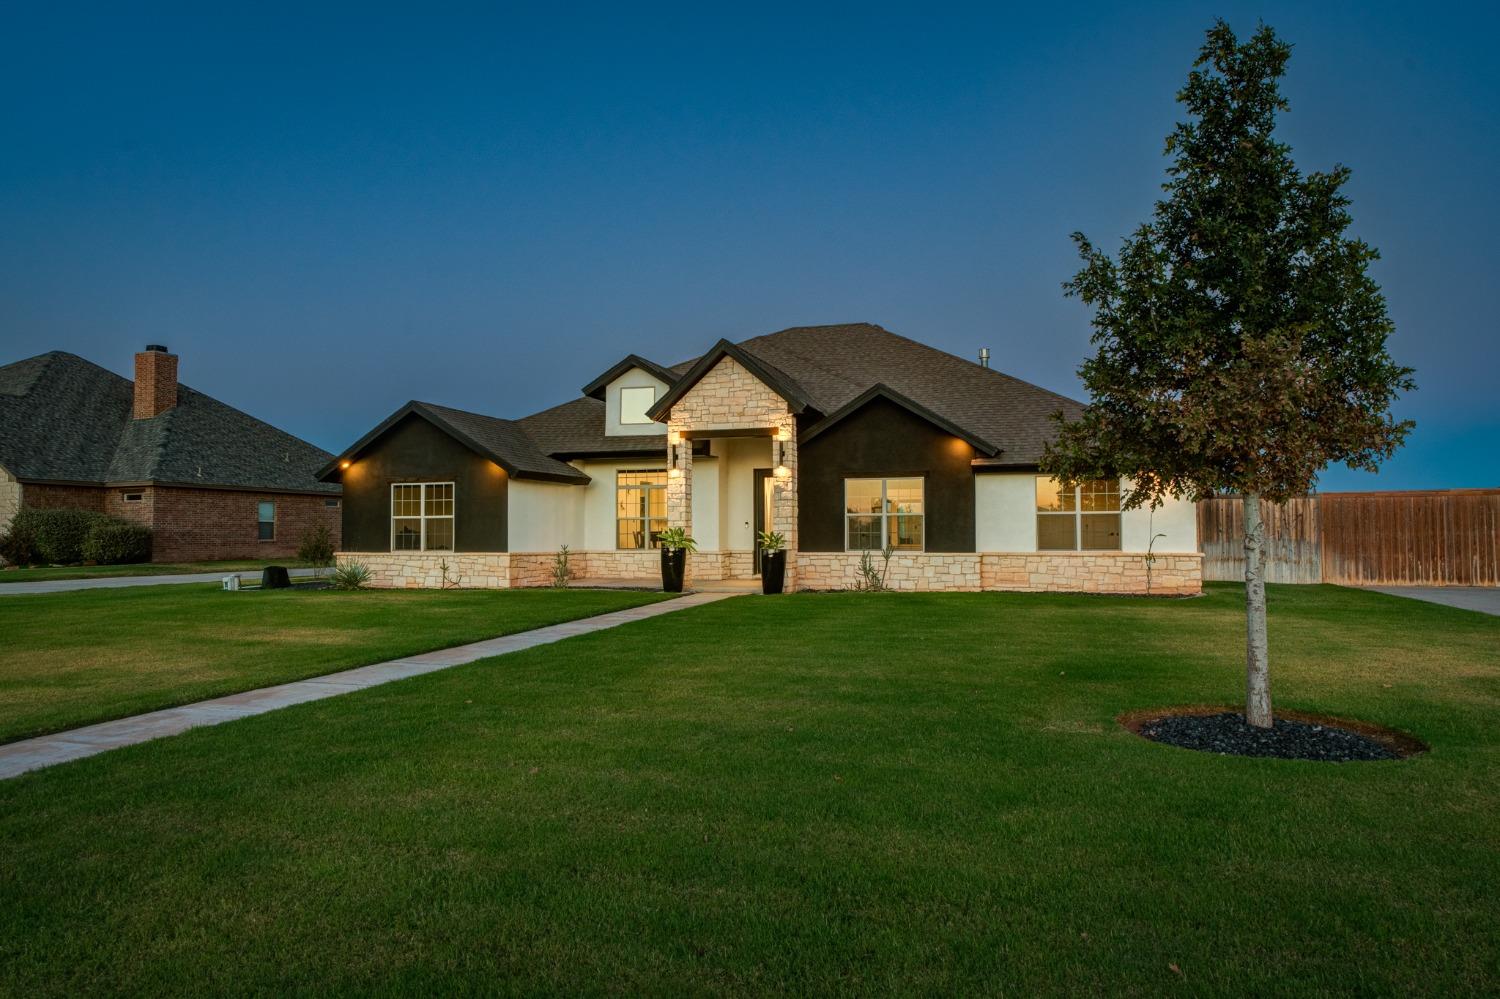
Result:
{"points": [[845, 439], [210, 481]]}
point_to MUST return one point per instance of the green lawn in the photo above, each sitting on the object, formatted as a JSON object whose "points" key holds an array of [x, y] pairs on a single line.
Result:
{"points": [[824, 793], [68, 659], [41, 573]]}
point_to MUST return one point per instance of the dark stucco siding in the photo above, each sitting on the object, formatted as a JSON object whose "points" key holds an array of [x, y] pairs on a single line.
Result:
{"points": [[883, 440], [416, 451]]}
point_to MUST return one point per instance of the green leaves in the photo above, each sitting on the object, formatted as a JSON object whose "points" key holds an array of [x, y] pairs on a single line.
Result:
{"points": [[1241, 343]]}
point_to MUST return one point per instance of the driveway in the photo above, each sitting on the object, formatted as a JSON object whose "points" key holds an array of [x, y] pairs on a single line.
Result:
{"points": [[108, 582], [1484, 599]]}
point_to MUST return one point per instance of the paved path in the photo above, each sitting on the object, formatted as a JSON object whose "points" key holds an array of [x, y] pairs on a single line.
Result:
{"points": [[108, 582], [1484, 599], [46, 750]]}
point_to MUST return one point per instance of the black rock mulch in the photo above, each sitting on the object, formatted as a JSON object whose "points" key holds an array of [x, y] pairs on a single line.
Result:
{"points": [[1287, 740]]}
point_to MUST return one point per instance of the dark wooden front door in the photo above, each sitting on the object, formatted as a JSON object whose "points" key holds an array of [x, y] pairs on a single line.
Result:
{"points": [[761, 504]]}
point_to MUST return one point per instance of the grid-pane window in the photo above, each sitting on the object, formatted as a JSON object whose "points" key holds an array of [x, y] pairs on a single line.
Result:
{"points": [[422, 517], [265, 520], [881, 512], [640, 508], [1083, 518]]}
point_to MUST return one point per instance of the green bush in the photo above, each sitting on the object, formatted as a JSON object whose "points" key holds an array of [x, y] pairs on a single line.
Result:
{"points": [[65, 536], [18, 546], [316, 548], [117, 542], [350, 576]]}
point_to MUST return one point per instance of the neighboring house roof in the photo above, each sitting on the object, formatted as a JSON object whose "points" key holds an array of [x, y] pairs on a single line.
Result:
{"points": [[502, 441], [65, 419]]}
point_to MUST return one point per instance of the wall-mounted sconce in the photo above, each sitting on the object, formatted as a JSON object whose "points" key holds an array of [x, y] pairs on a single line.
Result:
{"points": [[776, 452], [343, 464]]}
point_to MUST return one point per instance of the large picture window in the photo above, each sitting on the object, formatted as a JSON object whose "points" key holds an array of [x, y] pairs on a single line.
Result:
{"points": [[1084, 518], [422, 517], [640, 508], [880, 512]]}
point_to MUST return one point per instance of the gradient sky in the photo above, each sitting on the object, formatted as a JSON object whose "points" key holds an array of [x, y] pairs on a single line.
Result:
{"points": [[326, 214]]}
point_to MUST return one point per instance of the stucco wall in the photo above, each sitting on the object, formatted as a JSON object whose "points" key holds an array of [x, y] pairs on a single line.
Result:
{"points": [[739, 458], [634, 378], [544, 516]]}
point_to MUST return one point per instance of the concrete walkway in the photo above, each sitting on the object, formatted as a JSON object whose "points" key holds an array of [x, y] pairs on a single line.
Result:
{"points": [[109, 582], [1484, 599], [46, 750]]}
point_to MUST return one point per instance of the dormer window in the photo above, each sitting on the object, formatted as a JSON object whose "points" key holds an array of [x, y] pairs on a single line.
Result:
{"points": [[634, 401]]}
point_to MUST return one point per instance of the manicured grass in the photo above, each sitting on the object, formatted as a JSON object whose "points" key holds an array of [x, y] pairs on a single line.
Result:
{"points": [[69, 659], [41, 573], [814, 794]]}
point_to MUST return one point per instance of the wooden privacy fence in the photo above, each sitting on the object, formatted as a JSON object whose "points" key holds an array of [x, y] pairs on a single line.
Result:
{"points": [[1428, 538]]}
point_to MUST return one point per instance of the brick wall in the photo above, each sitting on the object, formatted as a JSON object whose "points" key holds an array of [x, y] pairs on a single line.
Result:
{"points": [[54, 497], [204, 524]]}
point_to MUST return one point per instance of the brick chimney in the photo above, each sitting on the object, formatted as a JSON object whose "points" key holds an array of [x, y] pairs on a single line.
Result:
{"points": [[155, 381]]}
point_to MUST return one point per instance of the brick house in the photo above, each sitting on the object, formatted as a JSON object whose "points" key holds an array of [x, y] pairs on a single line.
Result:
{"points": [[842, 438], [210, 481]]}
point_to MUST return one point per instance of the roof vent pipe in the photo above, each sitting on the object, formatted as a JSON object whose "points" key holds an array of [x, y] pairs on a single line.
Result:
{"points": [[984, 357]]}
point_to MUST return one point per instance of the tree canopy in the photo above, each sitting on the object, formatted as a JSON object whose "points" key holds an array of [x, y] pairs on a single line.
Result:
{"points": [[1241, 342]]}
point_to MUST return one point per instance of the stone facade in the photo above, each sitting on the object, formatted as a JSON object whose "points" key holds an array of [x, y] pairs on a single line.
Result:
{"points": [[1170, 574], [729, 397], [10, 499], [916, 571], [424, 570]]}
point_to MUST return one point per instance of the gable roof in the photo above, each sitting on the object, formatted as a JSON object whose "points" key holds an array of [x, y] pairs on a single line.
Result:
{"points": [[596, 387], [833, 365], [66, 419], [776, 380], [883, 391], [502, 441]]}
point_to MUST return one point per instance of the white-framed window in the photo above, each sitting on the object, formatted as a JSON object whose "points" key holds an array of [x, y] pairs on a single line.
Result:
{"points": [[265, 520], [640, 507], [421, 516], [880, 512], [1084, 518], [634, 401], [133, 497]]}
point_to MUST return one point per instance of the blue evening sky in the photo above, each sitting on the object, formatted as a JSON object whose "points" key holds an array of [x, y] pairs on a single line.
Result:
{"points": [[329, 211]]}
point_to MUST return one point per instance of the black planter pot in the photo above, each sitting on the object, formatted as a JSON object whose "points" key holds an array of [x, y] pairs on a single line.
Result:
{"points": [[772, 571], [275, 577], [673, 565]]}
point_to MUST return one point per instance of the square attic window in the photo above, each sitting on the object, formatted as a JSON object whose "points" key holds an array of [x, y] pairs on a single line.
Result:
{"points": [[633, 404]]}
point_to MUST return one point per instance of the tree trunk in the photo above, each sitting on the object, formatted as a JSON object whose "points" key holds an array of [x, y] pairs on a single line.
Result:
{"points": [[1257, 664]]}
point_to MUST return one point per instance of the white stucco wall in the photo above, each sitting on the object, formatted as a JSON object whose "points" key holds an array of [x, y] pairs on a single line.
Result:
{"points": [[1005, 518], [544, 516], [634, 378], [740, 457]]}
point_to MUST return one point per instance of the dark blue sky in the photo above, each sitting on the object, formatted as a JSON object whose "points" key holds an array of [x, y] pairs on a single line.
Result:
{"points": [[327, 214]]}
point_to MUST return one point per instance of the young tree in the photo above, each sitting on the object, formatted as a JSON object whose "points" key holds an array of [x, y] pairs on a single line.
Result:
{"points": [[1241, 345]]}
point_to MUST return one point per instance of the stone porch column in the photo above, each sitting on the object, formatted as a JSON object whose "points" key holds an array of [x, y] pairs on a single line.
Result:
{"points": [[784, 492], [679, 480]]}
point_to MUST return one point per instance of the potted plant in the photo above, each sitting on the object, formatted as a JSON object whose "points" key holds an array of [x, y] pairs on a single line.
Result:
{"points": [[675, 545], [772, 561]]}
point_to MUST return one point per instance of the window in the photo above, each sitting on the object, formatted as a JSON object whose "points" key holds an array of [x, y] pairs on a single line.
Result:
{"points": [[878, 512], [1084, 518], [331, 503], [640, 508], [133, 497], [265, 517], [634, 402], [422, 517]]}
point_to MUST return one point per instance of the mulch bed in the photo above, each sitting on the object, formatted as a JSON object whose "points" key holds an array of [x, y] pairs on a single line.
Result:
{"points": [[1293, 736]]}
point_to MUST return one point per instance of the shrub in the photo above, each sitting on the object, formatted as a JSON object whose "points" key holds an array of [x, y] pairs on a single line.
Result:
{"points": [[316, 548], [350, 576], [18, 546], [117, 542], [58, 534], [562, 571]]}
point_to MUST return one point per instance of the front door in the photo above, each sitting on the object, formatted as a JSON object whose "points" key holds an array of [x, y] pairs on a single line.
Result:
{"points": [[762, 506]]}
